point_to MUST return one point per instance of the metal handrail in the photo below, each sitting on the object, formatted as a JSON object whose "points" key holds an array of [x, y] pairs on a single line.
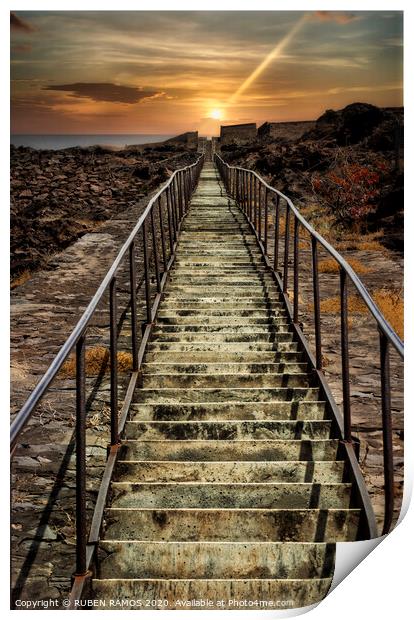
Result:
{"points": [[37, 394], [169, 205], [252, 192], [394, 339]]}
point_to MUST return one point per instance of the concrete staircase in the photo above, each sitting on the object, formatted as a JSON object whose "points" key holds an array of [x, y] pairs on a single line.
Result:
{"points": [[229, 485]]}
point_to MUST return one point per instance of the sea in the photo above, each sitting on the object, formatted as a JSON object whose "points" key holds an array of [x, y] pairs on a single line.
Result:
{"points": [[64, 141]]}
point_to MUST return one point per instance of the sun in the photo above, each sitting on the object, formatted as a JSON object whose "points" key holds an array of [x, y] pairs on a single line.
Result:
{"points": [[216, 114]]}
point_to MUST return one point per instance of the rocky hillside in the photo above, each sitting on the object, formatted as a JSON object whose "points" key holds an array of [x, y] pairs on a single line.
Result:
{"points": [[349, 163], [58, 196]]}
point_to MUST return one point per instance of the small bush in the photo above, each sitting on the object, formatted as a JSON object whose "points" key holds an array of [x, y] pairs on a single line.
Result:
{"points": [[331, 266], [96, 360]]}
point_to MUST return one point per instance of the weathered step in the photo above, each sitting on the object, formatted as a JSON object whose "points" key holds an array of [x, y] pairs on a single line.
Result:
{"points": [[304, 410], [243, 326], [182, 323], [165, 368], [257, 380], [248, 450], [224, 334], [221, 302], [229, 471], [239, 495], [232, 524], [229, 429], [234, 356], [214, 560], [226, 594], [205, 395], [225, 347]]}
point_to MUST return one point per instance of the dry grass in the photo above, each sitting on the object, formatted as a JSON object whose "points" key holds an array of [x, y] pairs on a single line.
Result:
{"points": [[20, 279], [331, 266], [332, 305], [362, 241], [96, 360], [391, 304], [389, 301]]}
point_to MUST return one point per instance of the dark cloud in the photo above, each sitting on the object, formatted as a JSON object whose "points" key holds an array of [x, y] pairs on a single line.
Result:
{"points": [[335, 16], [17, 24], [105, 91]]}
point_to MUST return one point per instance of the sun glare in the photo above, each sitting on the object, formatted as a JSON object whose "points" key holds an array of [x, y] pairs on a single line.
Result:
{"points": [[217, 114]]}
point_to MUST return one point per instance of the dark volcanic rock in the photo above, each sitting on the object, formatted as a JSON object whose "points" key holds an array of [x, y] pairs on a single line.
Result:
{"points": [[58, 196]]}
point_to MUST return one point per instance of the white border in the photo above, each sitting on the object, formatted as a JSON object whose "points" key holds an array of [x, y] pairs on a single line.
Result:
{"points": [[381, 585]]}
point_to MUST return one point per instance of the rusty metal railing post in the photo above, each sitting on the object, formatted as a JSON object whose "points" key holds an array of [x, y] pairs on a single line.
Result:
{"points": [[277, 226], [346, 393], [286, 250], [113, 358], [387, 433], [316, 304], [170, 219], [146, 272], [266, 216], [260, 213], [80, 437], [155, 251], [164, 253], [296, 271], [133, 298]]}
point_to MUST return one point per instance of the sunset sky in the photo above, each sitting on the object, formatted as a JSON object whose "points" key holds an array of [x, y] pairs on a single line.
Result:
{"points": [[168, 72]]}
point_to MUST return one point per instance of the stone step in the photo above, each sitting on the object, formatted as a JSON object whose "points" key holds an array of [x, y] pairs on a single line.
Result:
{"points": [[195, 316], [235, 356], [226, 347], [239, 495], [228, 430], [205, 394], [248, 450], [231, 380], [184, 291], [219, 303], [229, 471], [213, 594], [213, 560], [261, 334], [164, 368], [244, 326], [304, 410], [232, 524]]}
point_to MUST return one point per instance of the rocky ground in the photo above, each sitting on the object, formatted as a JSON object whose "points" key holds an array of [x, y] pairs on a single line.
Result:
{"points": [[348, 163], [59, 196]]}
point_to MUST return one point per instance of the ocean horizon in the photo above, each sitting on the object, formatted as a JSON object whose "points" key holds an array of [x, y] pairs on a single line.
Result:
{"points": [[64, 141]]}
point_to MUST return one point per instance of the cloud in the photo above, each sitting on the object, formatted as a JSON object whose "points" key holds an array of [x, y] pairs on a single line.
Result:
{"points": [[105, 91], [335, 16], [17, 24]]}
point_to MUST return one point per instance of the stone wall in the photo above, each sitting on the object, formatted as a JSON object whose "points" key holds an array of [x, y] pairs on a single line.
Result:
{"points": [[238, 134], [290, 130]]}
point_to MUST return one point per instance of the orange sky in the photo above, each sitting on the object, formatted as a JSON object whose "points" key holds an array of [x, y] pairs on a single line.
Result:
{"points": [[167, 72]]}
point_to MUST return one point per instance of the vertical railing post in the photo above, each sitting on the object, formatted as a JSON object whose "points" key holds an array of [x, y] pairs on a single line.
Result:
{"points": [[146, 272], [387, 433], [113, 358], [316, 304], [80, 436], [260, 210], [133, 301], [346, 394], [296, 271], [277, 226], [155, 251], [170, 219], [266, 216], [286, 250], [164, 253]]}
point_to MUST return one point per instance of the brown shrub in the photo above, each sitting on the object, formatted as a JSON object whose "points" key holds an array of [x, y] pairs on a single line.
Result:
{"points": [[96, 360], [331, 266]]}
